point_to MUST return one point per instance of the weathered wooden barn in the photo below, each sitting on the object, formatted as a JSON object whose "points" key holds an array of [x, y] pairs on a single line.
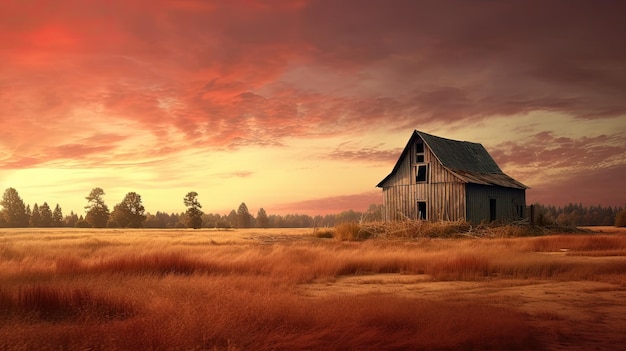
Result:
{"points": [[442, 179]]}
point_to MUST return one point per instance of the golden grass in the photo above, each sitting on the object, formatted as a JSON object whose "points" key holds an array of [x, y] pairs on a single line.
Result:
{"points": [[240, 290]]}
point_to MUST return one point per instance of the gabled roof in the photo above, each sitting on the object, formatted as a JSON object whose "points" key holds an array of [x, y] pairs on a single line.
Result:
{"points": [[469, 161]]}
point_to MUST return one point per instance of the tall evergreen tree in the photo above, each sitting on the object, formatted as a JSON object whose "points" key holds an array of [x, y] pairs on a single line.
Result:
{"points": [[194, 214], [262, 221], [14, 210], [97, 211], [232, 219], [57, 216], [243, 216], [35, 217], [46, 215]]}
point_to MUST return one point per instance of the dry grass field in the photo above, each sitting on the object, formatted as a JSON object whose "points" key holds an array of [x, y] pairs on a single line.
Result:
{"points": [[77, 289]]}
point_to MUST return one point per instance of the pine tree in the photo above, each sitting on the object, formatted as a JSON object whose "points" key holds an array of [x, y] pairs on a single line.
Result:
{"points": [[35, 217], [97, 211], [232, 219], [194, 214], [14, 210], [243, 216], [46, 215], [57, 216], [261, 219]]}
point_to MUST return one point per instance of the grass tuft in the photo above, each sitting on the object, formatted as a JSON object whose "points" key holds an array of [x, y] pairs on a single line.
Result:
{"points": [[157, 263], [325, 233], [55, 304], [350, 231]]}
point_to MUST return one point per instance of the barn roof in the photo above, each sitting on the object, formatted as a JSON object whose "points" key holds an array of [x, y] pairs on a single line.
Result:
{"points": [[469, 161]]}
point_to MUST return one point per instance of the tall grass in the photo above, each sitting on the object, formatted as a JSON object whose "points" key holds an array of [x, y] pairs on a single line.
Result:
{"points": [[55, 303], [176, 290], [218, 315]]}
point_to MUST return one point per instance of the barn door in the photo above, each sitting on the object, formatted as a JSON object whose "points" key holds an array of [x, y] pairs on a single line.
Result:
{"points": [[492, 210], [421, 210]]}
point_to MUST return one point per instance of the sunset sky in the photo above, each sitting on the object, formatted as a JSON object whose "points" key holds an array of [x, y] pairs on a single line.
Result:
{"points": [[304, 106]]}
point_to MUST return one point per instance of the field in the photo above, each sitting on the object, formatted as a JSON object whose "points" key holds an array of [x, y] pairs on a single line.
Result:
{"points": [[79, 289]]}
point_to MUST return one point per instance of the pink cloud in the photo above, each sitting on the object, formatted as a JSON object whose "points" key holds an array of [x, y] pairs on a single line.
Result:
{"points": [[211, 57], [545, 150], [228, 75], [330, 205], [348, 152]]}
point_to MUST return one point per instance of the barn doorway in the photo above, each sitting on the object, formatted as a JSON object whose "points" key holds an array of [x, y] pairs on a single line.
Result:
{"points": [[421, 210], [492, 210]]}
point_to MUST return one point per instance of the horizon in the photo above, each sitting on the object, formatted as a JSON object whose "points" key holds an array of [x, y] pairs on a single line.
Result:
{"points": [[303, 107]]}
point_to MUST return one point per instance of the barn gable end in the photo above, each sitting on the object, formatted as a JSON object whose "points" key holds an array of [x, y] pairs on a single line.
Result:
{"points": [[443, 179]]}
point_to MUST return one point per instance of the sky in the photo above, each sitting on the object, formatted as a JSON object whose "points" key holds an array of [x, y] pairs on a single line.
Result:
{"points": [[304, 106]]}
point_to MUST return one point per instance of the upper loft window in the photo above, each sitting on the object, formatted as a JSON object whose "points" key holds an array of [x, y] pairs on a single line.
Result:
{"points": [[421, 174], [419, 152]]}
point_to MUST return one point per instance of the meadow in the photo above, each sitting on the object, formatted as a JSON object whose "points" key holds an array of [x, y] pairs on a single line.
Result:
{"points": [[289, 289]]}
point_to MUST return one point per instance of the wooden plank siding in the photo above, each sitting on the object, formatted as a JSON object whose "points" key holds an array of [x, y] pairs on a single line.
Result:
{"points": [[510, 203], [444, 193]]}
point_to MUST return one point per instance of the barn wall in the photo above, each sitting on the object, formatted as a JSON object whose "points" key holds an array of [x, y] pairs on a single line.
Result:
{"points": [[509, 201], [443, 193]]}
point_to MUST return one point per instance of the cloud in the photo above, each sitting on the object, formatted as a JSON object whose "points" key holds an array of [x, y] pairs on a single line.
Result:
{"points": [[236, 174], [351, 152], [330, 205], [546, 150], [90, 150], [148, 80], [478, 61], [601, 186]]}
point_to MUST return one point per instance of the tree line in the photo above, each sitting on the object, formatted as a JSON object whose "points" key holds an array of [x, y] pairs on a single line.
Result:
{"points": [[578, 215], [130, 213]]}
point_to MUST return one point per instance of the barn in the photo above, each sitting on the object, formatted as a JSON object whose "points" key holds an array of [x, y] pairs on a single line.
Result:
{"points": [[442, 179]]}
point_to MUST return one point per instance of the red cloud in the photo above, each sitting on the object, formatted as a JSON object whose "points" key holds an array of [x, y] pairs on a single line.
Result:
{"points": [[234, 74]]}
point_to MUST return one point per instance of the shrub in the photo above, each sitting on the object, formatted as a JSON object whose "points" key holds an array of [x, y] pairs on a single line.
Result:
{"points": [[350, 231], [113, 224], [620, 219], [324, 233]]}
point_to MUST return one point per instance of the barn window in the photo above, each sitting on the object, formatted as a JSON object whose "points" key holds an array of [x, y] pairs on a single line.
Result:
{"points": [[420, 175], [419, 152]]}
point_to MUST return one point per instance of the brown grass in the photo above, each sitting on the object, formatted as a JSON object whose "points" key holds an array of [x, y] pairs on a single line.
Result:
{"points": [[114, 289], [54, 304]]}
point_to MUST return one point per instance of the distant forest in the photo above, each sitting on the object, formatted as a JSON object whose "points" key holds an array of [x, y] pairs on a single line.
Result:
{"points": [[131, 213], [578, 215]]}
